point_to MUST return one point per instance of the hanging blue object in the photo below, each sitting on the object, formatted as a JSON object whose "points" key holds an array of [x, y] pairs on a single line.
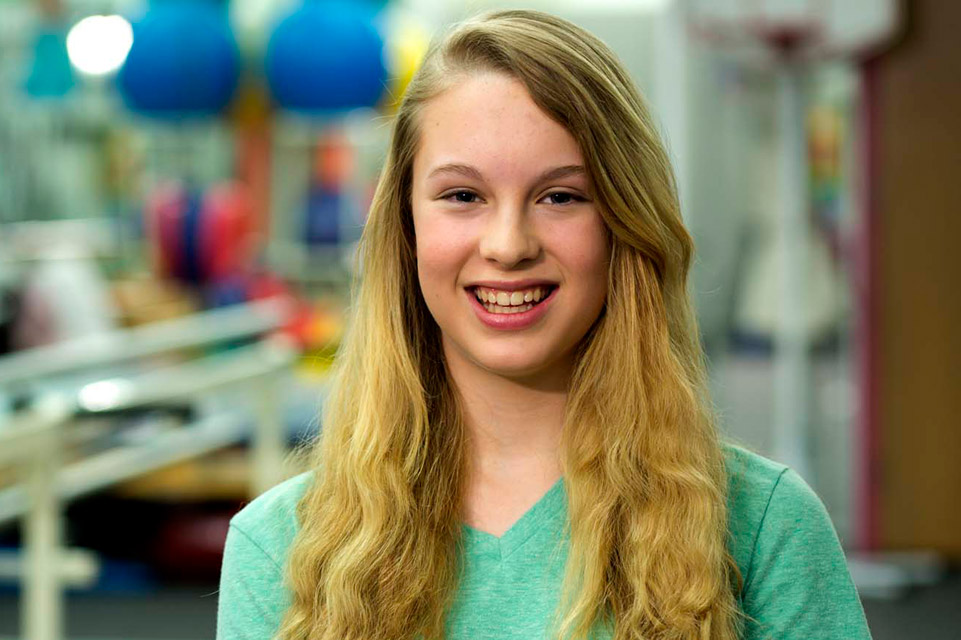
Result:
{"points": [[50, 75], [184, 60], [327, 56]]}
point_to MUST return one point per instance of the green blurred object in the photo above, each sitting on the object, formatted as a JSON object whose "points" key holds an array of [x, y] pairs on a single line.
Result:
{"points": [[51, 75]]}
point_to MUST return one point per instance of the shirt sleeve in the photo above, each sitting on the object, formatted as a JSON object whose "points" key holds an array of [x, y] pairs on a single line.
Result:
{"points": [[252, 597], [798, 586]]}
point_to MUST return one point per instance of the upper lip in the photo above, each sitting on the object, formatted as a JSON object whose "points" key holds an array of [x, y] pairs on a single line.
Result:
{"points": [[514, 285]]}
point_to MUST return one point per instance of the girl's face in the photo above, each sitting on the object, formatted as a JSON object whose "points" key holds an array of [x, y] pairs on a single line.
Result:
{"points": [[503, 210]]}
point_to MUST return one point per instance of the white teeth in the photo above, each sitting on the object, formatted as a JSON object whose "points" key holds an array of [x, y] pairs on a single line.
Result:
{"points": [[509, 302], [510, 298], [493, 308]]}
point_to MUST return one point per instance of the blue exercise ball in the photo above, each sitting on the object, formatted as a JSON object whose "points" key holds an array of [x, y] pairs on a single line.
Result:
{"points": [[184, 60], [326, 56]]}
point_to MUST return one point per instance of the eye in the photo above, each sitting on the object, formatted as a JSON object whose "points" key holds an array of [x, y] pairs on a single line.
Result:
{"points": [[564, 198], [461, 196]]}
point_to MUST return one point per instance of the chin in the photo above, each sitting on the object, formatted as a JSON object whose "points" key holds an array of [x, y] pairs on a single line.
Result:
{"points": [[519, 368]]}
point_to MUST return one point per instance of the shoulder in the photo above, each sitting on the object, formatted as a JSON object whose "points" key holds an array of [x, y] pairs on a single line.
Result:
{"points": [[253, 596], [752, 479], [764, 495], [796, 581], [270, 520], [750, 475]]}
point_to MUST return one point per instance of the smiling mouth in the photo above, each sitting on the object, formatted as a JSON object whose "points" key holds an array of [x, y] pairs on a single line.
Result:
{"points": [[504, 302]]}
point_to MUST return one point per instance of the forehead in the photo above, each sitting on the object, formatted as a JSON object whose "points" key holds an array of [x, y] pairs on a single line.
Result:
{"points": [[490, 121]]}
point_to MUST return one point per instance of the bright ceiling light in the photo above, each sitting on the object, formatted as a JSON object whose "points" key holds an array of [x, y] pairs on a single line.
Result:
{"points": [[98, 45]]}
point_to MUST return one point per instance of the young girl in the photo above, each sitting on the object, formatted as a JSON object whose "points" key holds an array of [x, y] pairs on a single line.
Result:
{"points": [[519, 443]]}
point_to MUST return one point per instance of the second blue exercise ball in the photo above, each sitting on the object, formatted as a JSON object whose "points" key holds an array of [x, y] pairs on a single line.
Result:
{"points": [[326, 56], [184, 60]]}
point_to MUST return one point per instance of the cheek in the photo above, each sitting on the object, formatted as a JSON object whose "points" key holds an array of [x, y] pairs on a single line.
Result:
{"points": [[441, 252], [587, 250]]}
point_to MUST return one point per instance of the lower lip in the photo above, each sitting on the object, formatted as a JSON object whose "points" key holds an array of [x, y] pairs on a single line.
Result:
{"points": [[511, 321]]}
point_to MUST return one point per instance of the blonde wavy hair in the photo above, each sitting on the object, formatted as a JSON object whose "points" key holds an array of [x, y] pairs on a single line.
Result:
{"points": [[379, 552]]}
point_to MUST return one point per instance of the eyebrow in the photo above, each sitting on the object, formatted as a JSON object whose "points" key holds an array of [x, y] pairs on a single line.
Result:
{"points": [[472, 172]]}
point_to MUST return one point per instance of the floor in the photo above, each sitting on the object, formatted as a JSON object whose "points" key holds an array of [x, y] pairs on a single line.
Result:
{"points": [[189, 613], [931, 613]]}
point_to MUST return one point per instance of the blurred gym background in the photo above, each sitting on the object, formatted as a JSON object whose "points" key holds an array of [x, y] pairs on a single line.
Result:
{"points": [[182, 184]]}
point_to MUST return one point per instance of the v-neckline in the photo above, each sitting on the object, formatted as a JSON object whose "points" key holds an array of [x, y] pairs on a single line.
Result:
{"points": [[523, 528]]}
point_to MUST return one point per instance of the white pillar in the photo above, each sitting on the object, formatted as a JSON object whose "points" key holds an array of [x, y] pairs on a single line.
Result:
{"points": [[792, 364], [670, 94]]}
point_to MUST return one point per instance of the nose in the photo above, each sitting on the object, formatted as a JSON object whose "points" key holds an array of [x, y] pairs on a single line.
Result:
{"points": [[508, 238]]}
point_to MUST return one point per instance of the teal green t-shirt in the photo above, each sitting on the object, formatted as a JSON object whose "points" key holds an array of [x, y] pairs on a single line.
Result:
{"points": [[796, 582]]}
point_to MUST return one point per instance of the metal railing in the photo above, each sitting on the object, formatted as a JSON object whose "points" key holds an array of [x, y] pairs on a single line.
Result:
{"points": [[34, 440]]}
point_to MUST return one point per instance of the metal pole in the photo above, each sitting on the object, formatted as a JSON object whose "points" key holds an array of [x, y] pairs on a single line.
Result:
{"points": [[792, 364], [42, 606], [269, 445]]}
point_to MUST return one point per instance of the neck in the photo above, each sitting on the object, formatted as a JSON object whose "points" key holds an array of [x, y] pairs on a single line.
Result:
{"points": [[513, 424]]}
